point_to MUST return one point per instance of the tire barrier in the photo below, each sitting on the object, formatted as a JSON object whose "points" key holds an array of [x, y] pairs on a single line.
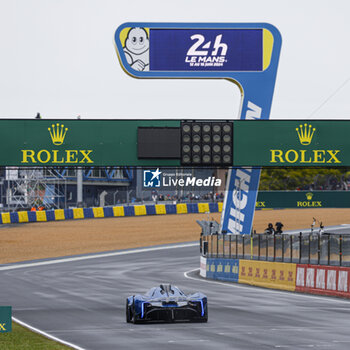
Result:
{"points": [[105, 212]]}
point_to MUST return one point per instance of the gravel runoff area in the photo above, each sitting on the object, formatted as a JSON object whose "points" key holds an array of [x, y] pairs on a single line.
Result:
{"points": [[63, 238]]}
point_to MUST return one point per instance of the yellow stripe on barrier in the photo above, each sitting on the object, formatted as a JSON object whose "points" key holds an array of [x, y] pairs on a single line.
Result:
{"points": [[267, 274], [6, 219], [203, 207], [118, 211], [98, 212], [23, 216], [160, 209], [41, 216], [220, 204], [59, 214], [140, 210], [78, 213], [181, 208]]}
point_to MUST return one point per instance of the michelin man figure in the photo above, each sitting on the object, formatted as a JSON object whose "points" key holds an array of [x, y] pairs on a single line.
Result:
{"points": [[136, 49]]}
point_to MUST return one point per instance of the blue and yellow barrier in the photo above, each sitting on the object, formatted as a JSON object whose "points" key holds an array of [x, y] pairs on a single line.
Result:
{"points": [[276, 275], [222, 269], [265, 274], [99, 212]]}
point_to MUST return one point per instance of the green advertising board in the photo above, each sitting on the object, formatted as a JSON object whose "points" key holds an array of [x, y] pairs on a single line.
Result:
{"points": [[303, 199], [292, 143], [76, 142], [5, 319], [117, 143]]}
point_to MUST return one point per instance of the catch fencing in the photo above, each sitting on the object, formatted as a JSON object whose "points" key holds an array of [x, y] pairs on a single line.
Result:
{"points": [[306, 248]]}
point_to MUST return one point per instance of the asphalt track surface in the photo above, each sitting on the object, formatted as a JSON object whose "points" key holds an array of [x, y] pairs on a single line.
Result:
{"points": [[82, 301]]}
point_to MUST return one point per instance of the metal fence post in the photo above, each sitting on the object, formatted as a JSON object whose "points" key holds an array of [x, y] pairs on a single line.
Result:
{"points": [[229, 251], [329, 250], [236, 247], [217, 245], [341, 250], [209, 246], [251, 247], [243, 250], [223, 245]]}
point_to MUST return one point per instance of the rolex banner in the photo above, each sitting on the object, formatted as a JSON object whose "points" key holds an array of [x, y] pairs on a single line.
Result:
{"points": [[302, 199], [114, 143], [76, 142], [292, 143]]}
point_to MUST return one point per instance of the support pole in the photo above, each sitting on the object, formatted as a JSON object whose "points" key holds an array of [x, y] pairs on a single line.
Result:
{"points": [[79, 187]]}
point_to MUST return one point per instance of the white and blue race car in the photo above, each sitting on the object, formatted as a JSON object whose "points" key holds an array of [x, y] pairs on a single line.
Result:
{"points": [[167, 303]]}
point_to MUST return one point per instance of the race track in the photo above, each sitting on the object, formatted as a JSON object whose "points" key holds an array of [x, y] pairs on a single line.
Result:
{"points": [[83, 302]]}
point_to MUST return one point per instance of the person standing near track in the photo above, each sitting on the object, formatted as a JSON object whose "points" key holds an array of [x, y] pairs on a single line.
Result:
{"points": [[270, 230]]}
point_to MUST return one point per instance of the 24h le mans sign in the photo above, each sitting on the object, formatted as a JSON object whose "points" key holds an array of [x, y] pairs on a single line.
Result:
{"points": [[245, 53]]}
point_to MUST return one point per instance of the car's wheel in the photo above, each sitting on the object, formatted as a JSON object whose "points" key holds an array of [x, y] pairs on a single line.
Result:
{"points": [[128, 312], [134, 316], [205, 317]]}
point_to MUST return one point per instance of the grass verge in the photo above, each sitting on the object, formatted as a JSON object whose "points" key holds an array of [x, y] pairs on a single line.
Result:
{"points": [[22, 338]]}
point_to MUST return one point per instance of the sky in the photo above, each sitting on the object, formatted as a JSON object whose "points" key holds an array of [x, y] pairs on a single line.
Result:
{"points": [[57, 57]]}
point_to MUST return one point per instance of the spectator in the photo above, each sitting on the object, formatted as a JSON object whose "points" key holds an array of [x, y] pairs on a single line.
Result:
{"points": [[279, 226], [270, 230]]}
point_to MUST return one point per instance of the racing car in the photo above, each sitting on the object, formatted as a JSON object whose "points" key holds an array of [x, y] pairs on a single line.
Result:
{"points": [[166, 303]]}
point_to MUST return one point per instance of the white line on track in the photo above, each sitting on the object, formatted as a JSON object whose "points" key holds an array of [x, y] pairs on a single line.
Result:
{"points": [[263, 290], [188, 341], [308, 230], [49, 336], [97, 256]]}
